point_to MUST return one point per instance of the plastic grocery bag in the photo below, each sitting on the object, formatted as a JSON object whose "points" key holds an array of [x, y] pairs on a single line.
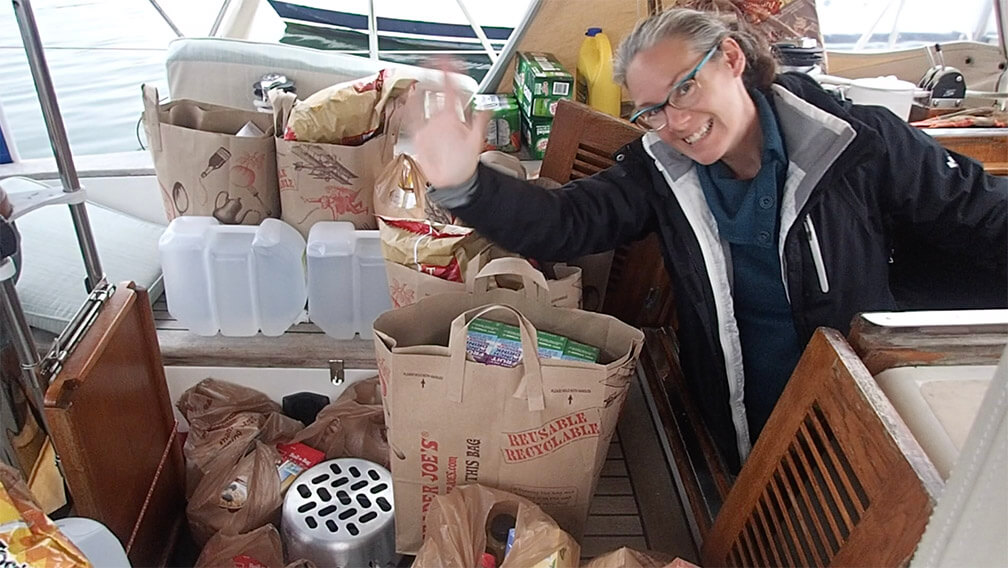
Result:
{"points": [[260, 547], [351, 426], [236, 497], [224, 419], [629, 558], [456, 536]]}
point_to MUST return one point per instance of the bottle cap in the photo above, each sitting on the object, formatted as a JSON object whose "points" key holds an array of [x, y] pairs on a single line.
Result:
{"points": [[593, 31], [487, 560], [499, 526]]}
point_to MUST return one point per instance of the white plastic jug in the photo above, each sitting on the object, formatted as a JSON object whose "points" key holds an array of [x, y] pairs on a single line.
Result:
{"points": [[331, 305], [233, 279], [278, 262], [372, 282], [187, 286], [229, 265], [347, 285]]}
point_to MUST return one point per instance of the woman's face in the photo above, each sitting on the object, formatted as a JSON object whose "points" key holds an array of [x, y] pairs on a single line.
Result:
{"points": [[715, 124]]}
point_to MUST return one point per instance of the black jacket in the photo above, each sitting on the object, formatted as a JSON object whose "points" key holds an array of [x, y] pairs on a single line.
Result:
{"points": [[874, 216]]}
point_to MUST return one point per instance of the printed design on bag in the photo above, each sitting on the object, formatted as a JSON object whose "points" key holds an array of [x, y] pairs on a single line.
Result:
{"points": [[284, 181], [322, 165], [472, 461], [338, 200], [423, 377], [401, 293], [547, 497], [550, 437], [243, 175], [246, 561], [176, 201], [383, 374], [429, 476], [215, 161]]}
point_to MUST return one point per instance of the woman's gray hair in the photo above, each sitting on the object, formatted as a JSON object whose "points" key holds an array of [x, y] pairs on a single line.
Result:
{"points": [[702, 30]]}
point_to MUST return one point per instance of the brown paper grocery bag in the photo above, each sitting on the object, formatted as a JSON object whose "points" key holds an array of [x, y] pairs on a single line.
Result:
{"points": [[204, 168], [408, 286], [331, 182], [540, 430]]}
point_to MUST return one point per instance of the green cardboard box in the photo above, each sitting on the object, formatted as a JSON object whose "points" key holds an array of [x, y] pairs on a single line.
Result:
{"points": [[549, 345], [575, 351], [539, 82], [535, 133], [504, 129]]}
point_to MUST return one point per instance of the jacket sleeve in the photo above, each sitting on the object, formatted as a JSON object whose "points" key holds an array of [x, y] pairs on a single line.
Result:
{"points": [[941, 198], [588, 215]]}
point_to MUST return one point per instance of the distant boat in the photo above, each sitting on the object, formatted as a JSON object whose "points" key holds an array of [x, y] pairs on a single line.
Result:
{"points": [[429, 23]]}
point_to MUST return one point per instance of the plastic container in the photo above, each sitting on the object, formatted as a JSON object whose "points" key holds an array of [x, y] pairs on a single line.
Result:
{"points": [[187, 286], [895, 94], [347, 283], [278, 262], [229, 265], [233, 279], [594, 83], [372, 282], [330, 253]]}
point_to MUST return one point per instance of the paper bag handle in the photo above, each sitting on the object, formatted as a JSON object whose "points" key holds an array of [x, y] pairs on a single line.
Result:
{"points": [[533, 282], [282, 103], [531, 386], [152, 116]]}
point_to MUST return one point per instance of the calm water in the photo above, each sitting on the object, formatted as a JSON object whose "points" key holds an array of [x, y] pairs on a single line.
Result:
{"points": [[99, 53]]}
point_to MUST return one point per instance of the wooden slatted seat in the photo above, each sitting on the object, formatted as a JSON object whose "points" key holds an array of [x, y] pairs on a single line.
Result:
{"points": [[835, 479]]}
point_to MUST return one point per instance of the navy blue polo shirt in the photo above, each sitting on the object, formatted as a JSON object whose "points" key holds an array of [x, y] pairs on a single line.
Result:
{"points": [[747, 214]]}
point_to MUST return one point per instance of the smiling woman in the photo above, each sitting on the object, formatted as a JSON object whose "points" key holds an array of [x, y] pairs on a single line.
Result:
{"points": [[779, 209]]}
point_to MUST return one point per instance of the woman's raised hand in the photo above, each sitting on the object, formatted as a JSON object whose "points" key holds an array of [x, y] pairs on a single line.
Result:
{"points": [[446, 145]]}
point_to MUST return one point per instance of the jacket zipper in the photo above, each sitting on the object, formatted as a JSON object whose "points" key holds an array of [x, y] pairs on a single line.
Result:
{"points": [[816, 251]]}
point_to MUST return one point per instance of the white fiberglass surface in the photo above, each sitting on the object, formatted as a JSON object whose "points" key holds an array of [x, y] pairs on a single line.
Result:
{"points": [[276, 383], [939, 404]]}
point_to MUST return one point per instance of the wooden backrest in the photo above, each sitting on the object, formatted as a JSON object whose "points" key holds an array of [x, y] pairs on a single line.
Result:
{"points": [[582, 142], [836, 478]]}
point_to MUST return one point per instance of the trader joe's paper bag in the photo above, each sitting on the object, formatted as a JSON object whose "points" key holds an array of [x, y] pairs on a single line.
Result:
{"points": [[333, 182], [205, 167], [540, 429]]}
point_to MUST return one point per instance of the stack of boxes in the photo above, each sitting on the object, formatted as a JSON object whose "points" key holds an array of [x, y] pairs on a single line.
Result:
{"points": [[496, 343], [539, 83]]}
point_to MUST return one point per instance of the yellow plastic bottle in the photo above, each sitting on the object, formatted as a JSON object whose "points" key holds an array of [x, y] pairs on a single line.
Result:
{"points": [[594, 77]]}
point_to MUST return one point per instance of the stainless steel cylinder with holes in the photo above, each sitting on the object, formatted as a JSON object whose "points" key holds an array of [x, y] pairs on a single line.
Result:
{"points": [[340, 513]]}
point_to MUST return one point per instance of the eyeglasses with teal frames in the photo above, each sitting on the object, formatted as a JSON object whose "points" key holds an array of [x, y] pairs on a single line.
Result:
{"points": [[682, 95]]}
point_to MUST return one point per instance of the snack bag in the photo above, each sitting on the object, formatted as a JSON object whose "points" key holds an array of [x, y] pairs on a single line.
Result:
{"points": [[440, 250], [27, 536], [348, 113]]}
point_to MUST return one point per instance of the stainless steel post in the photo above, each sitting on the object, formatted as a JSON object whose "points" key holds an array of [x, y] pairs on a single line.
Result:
{"points": [[58, 137], [33, 383]]}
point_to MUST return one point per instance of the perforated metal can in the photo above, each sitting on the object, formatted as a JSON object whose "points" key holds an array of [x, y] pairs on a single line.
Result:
{"points": [[340, 513]]}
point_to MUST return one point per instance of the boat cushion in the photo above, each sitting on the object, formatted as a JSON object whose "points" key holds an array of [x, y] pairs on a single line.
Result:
{"points": [[51, 285], [235, 65]]}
